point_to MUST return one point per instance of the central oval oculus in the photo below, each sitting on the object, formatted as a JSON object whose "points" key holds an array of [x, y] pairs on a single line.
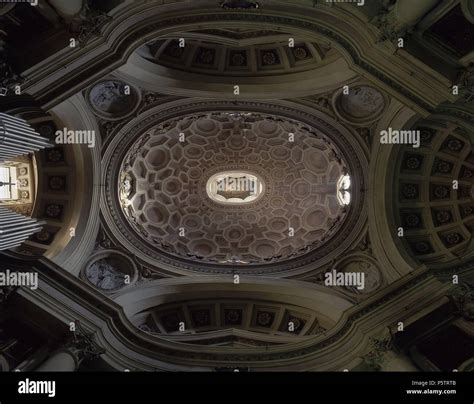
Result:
{"points": [[234, 187]]}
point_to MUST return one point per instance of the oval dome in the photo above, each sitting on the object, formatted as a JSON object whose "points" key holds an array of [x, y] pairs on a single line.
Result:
{"points": [[233, 188]]}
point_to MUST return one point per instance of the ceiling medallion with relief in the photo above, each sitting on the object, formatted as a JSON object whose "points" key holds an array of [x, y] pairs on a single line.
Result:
{"points": [[359, 104], [113, 99], [242, 188]]}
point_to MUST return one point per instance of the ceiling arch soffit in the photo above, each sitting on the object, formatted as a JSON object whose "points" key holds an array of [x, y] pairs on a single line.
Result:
{"points": [[267, 307], [262, 70], [392, 258], [434, 187]]}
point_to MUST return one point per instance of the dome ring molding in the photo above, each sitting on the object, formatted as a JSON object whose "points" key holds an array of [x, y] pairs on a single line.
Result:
{"points": [[342, 138]]}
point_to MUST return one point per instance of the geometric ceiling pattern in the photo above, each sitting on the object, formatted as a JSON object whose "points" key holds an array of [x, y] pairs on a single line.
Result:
{"points": [[203, 322], [437, 215], [163, 188], [265, 58]]}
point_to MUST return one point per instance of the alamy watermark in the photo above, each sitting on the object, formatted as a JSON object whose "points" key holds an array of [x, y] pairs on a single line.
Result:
{"points": [[352, 279], [68, 136], [13, 278], [244, 184], [32, 2], [391, 136], [28, 386]]}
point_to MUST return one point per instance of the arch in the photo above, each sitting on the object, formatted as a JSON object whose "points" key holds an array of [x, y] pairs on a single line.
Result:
{"points": [[72, 251], [135, 25], [381, 221], [437, 227], [328, 306], [149, 75]]}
